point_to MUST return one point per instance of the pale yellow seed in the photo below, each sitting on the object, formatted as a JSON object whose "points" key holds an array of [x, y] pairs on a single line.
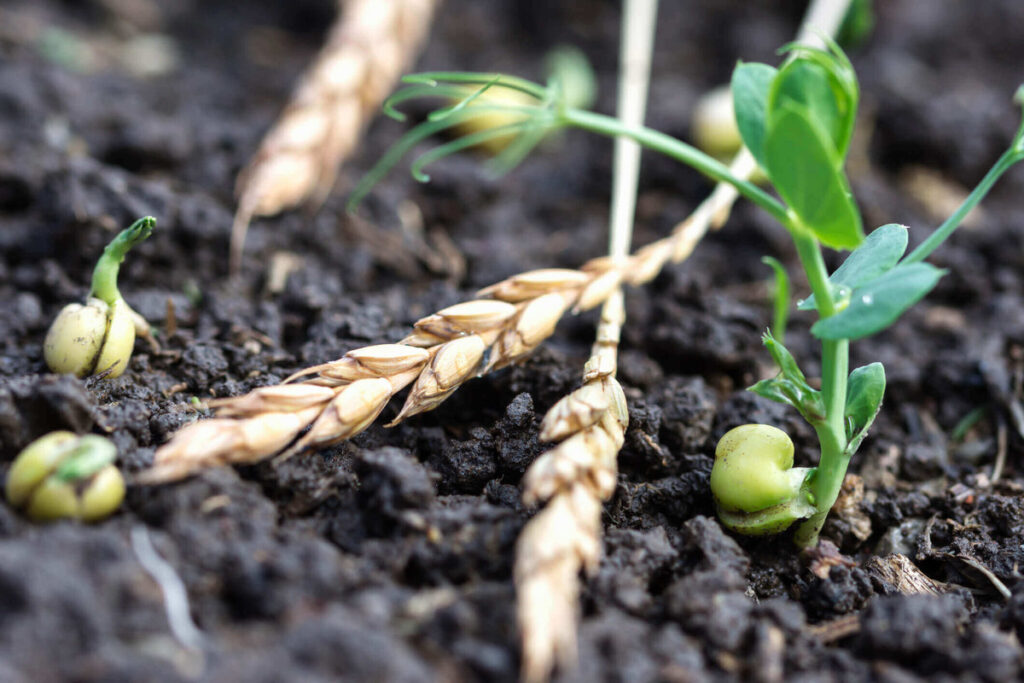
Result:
{"points": [[648, 262], [539, 318], [558, 467], [302, 128], [422, 339], [342, 71], [362, 400], [349, 413], [389, 359], [457, 361], [535, 283], [598, 290], [267, 434], [619, 405], [574, 412], [478, 315], [277, 398]]}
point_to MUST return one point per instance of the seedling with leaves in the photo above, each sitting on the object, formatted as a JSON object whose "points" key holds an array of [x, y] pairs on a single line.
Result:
{"points": [[797, 121]]}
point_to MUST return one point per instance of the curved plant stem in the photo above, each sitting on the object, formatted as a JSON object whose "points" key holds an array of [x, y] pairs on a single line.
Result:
{"points": [[676, 149], [935, 240], [104, 276]]}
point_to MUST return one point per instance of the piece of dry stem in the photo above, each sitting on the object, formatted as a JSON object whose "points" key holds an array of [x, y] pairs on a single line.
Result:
{"points": [[370, 45]]}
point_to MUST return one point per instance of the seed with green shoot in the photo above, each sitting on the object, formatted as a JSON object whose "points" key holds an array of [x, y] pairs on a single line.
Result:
{"points": [[98, 337], [500, 108], [756, 487], [65, 476], [498, 111]]}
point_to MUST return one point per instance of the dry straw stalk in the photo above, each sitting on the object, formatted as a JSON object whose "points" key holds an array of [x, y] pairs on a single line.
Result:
{"points": [[370, 45]]}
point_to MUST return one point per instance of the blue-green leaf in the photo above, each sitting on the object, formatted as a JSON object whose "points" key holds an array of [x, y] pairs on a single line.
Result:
{"points": [[878, 304], [880, 252], [750, 85], [805, 170], [864, 394]]}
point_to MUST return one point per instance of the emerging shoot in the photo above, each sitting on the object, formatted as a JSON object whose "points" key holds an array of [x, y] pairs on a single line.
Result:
{"points": [[98, 337]]}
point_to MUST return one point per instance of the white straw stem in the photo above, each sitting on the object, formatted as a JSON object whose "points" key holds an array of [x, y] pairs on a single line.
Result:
{"points": [[634, 76]]}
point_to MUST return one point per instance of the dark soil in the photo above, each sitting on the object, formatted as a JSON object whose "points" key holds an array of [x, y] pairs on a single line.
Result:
{"points": [[390, 557]]}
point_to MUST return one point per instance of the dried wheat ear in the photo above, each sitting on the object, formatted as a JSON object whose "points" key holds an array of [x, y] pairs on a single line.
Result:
{"points": [[368, 48], [337, 400], [579, 474], [574, 478]]}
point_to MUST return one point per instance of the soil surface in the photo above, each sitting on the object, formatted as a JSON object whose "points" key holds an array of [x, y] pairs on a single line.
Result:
{"points": [[390, 557]]}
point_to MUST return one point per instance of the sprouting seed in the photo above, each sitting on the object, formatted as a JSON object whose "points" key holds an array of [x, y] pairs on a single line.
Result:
{"points": [[98, 337], [65, 476]]}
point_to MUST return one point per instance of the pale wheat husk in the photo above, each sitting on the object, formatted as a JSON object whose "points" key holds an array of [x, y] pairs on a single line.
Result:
{"points": [[370, 45], [574, 478]]}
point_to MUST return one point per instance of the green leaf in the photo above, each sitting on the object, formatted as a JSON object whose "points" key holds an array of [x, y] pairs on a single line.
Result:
{"points": [[750, 85], [789, 386], [783, 358], [780, 296], [879, 253], [806, 83], [807, 173], [878, 304], [823, 81], [864, 394]]}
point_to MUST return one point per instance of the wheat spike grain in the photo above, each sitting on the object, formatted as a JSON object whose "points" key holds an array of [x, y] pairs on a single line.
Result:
{"points": [[369, 46], [574, 478], [339, 399]]}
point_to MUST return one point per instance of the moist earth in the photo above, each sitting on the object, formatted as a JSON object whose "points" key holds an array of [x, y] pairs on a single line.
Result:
{"points": [[389, 557]]}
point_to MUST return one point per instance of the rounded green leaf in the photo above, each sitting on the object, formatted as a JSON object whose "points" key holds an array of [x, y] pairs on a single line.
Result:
{"points": [[750, 86], [864, 393], [807, 173], [807, 84]]}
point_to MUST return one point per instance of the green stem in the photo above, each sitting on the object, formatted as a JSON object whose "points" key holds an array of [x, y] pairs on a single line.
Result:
{"points": [[676, 149], [935, 240], [104, 276], [828, 478], [835, 365]]}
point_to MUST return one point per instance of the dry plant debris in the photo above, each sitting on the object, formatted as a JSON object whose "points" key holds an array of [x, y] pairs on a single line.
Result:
{"points": [[369, 46], [574, 478], [339, 399]]}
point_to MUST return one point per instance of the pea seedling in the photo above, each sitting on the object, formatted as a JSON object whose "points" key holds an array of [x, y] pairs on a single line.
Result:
{"points": [[98, 337], [797, 121]]}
